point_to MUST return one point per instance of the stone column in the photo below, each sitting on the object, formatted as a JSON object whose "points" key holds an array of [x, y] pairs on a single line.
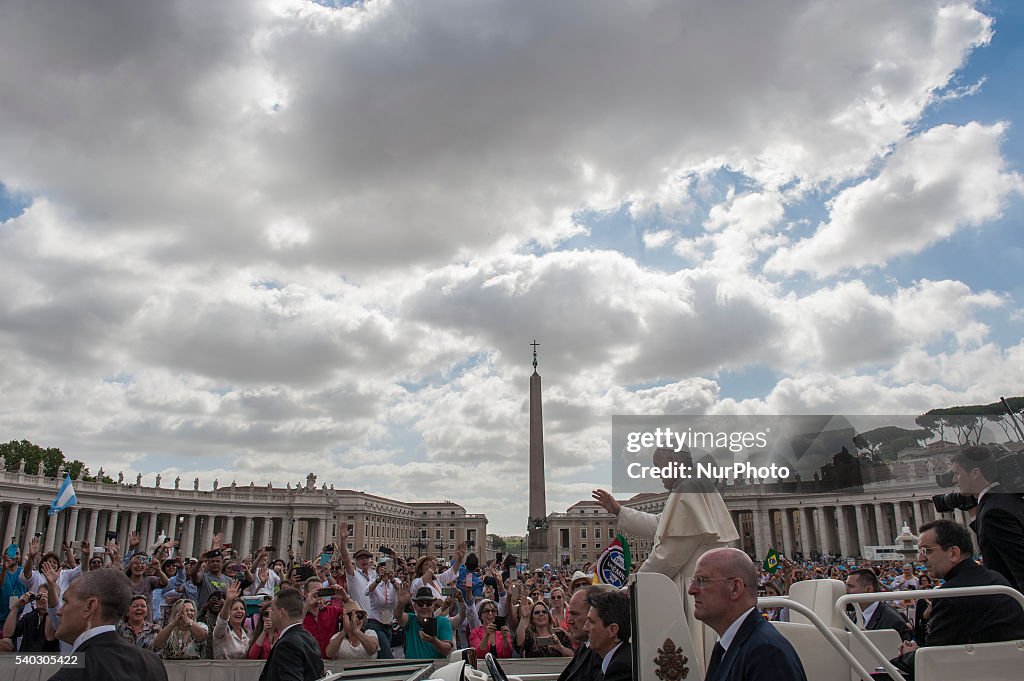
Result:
{"points": [[133, 524], [321, 534], [862, 528], [62, 527], [922, 514], [146, 529], [266, 525], [881, 526], [806, 533], [787, 532], [229, 533], [897, 511], [844, 531], [12, 525], [51, 531], [206, 534], [246, 546], [284, 535], [188, 536], [30, 528], [759, 522], [72, 528], [824, 545], [90, 531]]}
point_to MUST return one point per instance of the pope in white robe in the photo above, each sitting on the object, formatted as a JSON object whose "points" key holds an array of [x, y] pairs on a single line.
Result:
{"points": [[694, 520]]}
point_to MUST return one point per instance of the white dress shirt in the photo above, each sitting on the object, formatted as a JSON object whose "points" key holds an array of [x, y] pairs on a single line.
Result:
{"points": [[89, 633], [731, 632]]}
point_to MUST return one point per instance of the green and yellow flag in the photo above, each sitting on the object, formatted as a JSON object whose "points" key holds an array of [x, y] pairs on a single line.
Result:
{"points": [[771, 561]]}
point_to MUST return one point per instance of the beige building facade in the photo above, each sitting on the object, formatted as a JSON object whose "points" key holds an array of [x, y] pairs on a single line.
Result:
{"points": [[306, 518]]}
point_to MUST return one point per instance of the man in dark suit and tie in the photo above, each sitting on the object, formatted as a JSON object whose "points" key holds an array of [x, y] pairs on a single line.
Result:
{"points": [[608, 627], [585, 663], [998, 517], [91, 606], [296, 655], [877, 615], [724, 590]]}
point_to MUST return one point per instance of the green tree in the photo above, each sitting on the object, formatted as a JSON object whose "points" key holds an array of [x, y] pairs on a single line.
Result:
{"points": [[497, 542], [51, 458]]}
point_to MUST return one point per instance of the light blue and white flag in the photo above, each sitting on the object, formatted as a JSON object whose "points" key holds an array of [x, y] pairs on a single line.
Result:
{"points": [[65, 497]]}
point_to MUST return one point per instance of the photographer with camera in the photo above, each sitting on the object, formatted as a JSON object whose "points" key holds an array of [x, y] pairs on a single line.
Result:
{"points": [[998, 517], [36, 633]]}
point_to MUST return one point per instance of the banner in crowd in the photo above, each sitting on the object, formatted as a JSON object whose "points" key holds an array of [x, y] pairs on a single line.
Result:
{"points": [[614, 563]]}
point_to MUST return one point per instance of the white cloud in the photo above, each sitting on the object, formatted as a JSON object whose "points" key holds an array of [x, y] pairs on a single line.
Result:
{"points": [[946, 179], [657, 239], [266, 238], [414, 132]]}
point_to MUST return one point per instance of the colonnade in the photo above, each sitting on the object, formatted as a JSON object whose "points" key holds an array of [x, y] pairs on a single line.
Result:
{"points": [[839, 528], [245, 533]]}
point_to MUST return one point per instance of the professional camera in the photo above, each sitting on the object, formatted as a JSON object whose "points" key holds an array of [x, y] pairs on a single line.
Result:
{"points": [[1009, 474], [950, 501]]}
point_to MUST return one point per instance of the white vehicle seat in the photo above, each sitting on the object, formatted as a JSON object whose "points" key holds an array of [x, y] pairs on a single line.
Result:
{"points": [[819, 595], [886, 640], [662, 634], [1000, 662], [820, 660]]}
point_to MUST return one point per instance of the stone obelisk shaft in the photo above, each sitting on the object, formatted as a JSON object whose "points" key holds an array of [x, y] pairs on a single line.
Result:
{"points": [[538, 501]]}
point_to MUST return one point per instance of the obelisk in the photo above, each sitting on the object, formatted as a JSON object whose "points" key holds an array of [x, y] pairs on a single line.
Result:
{"points": [[537, 526]]}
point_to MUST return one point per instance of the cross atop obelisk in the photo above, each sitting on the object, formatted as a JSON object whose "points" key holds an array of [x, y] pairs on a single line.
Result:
{"points": [[537, 541]]}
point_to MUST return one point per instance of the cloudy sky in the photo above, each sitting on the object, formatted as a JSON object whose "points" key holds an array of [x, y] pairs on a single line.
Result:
{"points": [[250, 240]]}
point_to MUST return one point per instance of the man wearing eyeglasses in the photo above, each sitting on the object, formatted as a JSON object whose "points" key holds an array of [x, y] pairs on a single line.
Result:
{"points": [[724, 590], [946, 550]]}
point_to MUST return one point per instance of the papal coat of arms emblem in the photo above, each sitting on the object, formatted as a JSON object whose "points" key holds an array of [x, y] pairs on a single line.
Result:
{"points": [[671, 662]]}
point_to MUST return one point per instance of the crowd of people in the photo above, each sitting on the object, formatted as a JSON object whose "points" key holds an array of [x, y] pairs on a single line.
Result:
{"points": [[216, 606], [222, 606]]}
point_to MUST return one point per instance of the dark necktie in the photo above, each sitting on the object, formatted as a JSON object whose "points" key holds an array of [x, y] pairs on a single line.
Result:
{"points": [[716, 661]]}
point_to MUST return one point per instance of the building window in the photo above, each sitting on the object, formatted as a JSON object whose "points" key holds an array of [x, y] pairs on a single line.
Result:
{"points": [[583, 533], [583, 546], [597, 533], [451, 534], [563, 537], [437, 534]]}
